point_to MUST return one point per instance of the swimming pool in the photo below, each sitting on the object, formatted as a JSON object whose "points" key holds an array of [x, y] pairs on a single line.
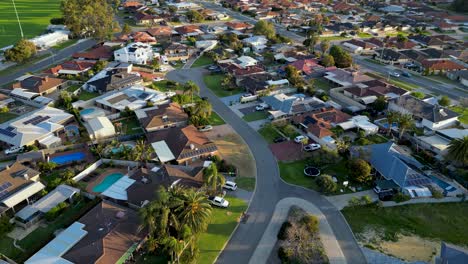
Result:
{"points": [[67, 158], [385, 125], [87, 111], [107, 182], [72, 130], [445, 186]]}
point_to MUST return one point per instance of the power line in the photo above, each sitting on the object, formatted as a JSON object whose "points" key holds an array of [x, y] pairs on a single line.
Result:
{"points": [[17, 17]]}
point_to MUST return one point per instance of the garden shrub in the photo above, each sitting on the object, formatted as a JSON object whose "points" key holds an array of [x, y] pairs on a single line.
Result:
{"points": [[435, 193], [401, 197], [283, 230], [284, 254], [55, 211], [5, 225], [311, 222]]}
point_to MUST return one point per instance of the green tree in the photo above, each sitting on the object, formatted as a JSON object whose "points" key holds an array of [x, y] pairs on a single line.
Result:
{"points": [[194, 16], [228, 82], [392, 117], [328, 60], [380, 103], [293, 76], [21, 51], [325, 45], [66, 99], [444, 101], [359, 171], [89, 17], [342, 58], [126, 29], [460, 5], [196, 211], [265, 28], [402, 38], [405, 122], [458, 150], [191, 88], [155, 65], [213, 179], [99, 66], [311, 42], [142, 151], [326, 183], [4, 109], [418, 95]]}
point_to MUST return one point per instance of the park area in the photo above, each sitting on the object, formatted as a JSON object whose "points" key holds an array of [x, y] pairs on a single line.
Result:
{"points": [[34, 16]]}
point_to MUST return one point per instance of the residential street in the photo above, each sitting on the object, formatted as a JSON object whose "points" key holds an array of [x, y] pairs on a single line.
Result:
{"points": [[59, 56], [270, 188]]}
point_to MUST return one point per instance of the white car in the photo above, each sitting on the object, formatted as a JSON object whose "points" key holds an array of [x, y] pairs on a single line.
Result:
{"points": [[13, 150], [299, 139], [205, 128], [260, 108], [158, 79], [395, 74], [312, 147], [230, 185], [218, 201], [247, 95]]}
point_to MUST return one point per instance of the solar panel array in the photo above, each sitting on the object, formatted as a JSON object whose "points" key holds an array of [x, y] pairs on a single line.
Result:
{"points": [[198, 152], [36, 120], [4, 188], [7, 133]]}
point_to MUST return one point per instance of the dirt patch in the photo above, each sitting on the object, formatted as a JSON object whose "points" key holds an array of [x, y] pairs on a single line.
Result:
{"points": [[288, 151], [406, 247], [233, 149]]}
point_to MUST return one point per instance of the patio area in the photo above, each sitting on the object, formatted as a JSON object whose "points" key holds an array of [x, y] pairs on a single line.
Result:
{"points": [[102, 178]]}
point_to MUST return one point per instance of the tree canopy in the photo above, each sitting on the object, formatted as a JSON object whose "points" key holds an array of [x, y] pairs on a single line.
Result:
{"points": [[444, 101], [359, 170], [194, 16], [21, 51], [342, 58], [89, 17], [265, 28], [458, 150]]}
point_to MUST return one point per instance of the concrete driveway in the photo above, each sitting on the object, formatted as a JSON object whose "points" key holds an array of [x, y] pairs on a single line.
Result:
{"points": [[269, 189]]}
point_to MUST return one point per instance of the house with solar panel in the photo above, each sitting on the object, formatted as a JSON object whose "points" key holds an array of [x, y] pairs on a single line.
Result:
{"points": [[395, 169], [18, 185], [282, 105], [42, 127]]}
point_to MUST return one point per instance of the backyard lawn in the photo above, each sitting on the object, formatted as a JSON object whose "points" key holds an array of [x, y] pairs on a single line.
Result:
{"points": [[85, 95], [6, 116], [254, 116], [223, 222], [216, 120], [202, 61], [268, 133], [439, 221], [334, 38], [131, 126], [322, 84], [73, 88], [34, 15], [213, 82], [463, 111]]}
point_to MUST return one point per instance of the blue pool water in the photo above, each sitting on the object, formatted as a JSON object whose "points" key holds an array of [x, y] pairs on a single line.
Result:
{"points": [[107, 182], [67, 158], [443, 184], [385, 125], [87, 111]]}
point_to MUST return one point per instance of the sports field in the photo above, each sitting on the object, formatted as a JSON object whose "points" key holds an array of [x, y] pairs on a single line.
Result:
{"points": [[34, 15]]}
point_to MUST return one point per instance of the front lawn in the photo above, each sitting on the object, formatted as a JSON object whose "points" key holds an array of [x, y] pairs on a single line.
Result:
{"points": [[463, 111], [73, 88], [334, 38], [246, 183], [268, 133], [371, 139], [6, 117], [85, 95], [322, 84], [254, 116], [223, 222], [215, 119], [440, 221], [213, 82], [364, 35], [166, 86], [395, 81], [202, 61], [374, 61]]}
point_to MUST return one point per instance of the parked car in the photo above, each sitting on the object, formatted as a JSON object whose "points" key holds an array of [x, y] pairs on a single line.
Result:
{"points": [[205, 128], [13, 150], [279, 139], [406, 74], [312, 147], [230, 185], [212, 67], [394, 74], [247, 95], [218, 201], [158, 79], [299, 139]]}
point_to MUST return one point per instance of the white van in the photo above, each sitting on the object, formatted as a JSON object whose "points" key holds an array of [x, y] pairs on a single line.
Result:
{"points": [[13, 150]]}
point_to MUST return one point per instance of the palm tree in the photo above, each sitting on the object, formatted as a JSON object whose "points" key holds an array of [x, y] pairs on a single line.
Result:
{"points": [[404, 122], [142, 151], [392, 117], [212, 178], [148, 217], [196, 211], [325, 45], [190, 88], [202, 109], [458, 150], [342, 145]]}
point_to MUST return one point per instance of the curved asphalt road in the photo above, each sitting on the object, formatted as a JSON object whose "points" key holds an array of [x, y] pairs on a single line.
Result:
{"points": [[269, 188]]}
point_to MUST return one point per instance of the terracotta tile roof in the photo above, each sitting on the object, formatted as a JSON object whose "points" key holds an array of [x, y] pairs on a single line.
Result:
{"points": [[143, 37], [160, 31], [238, 25], [38, 84], [101, 52], [132, 4], [445, 65], [166, 114], [141, 16], [307, 66], [247, 71], [319, 122], [72, 66], [187, 29]]}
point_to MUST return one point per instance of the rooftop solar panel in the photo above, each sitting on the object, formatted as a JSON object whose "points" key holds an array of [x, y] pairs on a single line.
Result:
{"points": [[7, 133]]}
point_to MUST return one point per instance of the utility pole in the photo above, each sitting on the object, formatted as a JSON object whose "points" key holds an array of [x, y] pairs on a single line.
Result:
{"points": [[17, 17]]}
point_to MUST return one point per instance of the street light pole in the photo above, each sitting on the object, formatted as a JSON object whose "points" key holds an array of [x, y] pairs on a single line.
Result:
{"points": [[17, 17]]}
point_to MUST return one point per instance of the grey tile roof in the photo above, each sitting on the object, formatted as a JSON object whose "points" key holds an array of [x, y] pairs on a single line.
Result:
{"points": [[421, 109]]}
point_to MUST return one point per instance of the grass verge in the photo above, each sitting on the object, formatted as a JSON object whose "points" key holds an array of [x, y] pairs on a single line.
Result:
{"points": [[440, 221], [213, 82], [245, 183], [463, 111], [254, 116], [394, 81], [65, 44], [268, 133], [202, 61], [223, 222], [216, 120]]}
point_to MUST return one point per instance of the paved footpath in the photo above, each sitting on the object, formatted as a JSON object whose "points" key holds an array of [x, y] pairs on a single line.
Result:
{"points": [[268, 241]]}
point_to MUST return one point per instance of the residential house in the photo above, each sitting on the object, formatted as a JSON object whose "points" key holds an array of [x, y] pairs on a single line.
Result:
{"points": [[111, 79], [238, 26], [318, 124], [40, 85], [162, 117], [345, 77], [181, 145], [257, 43], [391, 56], [108, 233], [163, 33], [143, 37], [189, 30], [137, 53], [366, 47], [283, 106], [367, 92], [426, 115], [439, 41], [461, 76], [100, 128], [436, 66], [74, 67], [18, 183], [308, 67], [177, 52], [265, 83], [394, 165], [41, 126], [439, 141], [145, 19], [99, 53]]}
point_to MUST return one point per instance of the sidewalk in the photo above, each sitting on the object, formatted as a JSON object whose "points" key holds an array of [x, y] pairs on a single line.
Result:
{"points": [[268, 241], [340, 201]]}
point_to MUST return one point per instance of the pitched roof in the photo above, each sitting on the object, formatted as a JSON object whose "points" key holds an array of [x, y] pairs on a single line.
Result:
{"points": [[166, 114], [101, 52], [38, 84], [442, 65], [160, 31], [320, 121], [421, 109], [307, 66], [143, 37], [374, 88], [12, 178], [72, 66]]}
